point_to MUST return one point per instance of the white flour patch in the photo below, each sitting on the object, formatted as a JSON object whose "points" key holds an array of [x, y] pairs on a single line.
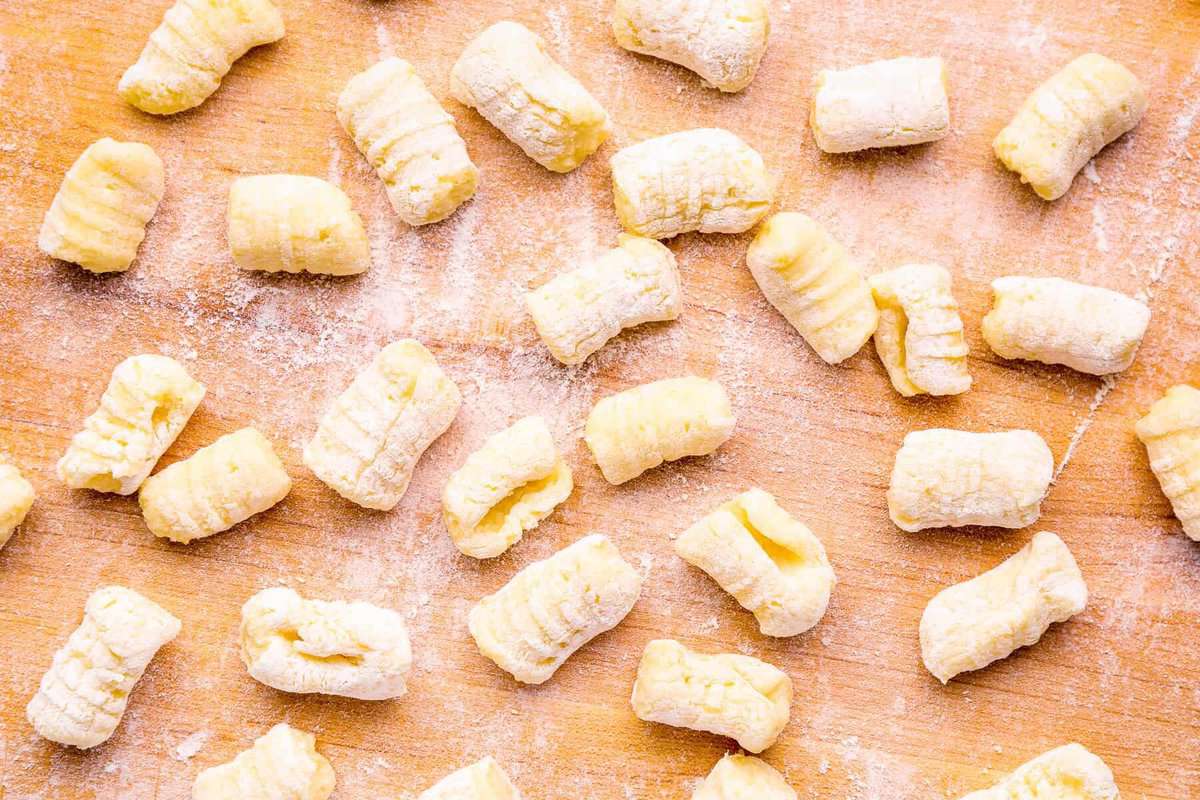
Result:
{"points": [[383, 38], [334, 173], [190, 746], [560, 34], [1090, 172], [1098, 228], [1106, 385]]}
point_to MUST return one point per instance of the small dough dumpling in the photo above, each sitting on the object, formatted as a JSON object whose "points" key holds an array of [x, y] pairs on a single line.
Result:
{"points": [[1171, 433], [738, 777], [283, 764], [483, 780], [16, 498], [1069, 772]]}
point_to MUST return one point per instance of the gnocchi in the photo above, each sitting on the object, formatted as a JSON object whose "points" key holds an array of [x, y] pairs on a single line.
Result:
{"points": [[508, 77], [220, 485], [551, 608], [148, 402], [409, 140], [1069, 772], [767, 559], [737, 777], [579, 311], [505, 488], [98, 217], [1171, 433], [16, 498], [483, 780], [945, 477], [640, 428], [283, 764], [920, 334], [971, 624], [1067, 120], [192, 50], [371, 438], [809, 279], [727, 694], [705, 180], [83, 695]]}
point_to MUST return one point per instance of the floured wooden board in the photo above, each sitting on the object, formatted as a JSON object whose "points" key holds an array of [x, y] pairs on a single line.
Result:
{"points": [[868, 721]]}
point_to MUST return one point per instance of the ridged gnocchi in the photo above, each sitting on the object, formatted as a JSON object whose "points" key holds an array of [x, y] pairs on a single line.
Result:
{"points": [[16, 498], [737, 777], [1171, 433], [283, 764], [1069, 772], [483, 780]]}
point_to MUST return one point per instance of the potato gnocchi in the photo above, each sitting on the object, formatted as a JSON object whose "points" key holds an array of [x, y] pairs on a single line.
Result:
{"points": [[737, 777], [283, 764], [1171, 433], [16, 498], [483, 780], [1069, 772]]}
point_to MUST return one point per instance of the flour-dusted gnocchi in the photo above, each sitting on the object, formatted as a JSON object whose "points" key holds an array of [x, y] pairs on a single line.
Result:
{"points": [[892, 103], [971, 624], [98, 217], [483, 780], [722, 41], [737, 777], [1054, 321], [370, 439], [579, 311], [192, 50], [16, 498], [553, 607], [727, 694], [283, 764], [1171, 433], [83, 695], [920, 334], [809, 278], [1069, 119], [507, 75], [1069, 772], [640, 428], [220, 485], [410, 140], [945, 477], [148, 402], [505, 488], [767, 559], [705, 180], [294, 223], [304, 646]]}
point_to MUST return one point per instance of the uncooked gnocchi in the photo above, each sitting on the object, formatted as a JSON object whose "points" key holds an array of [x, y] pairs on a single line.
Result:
{"points": [[727, 694], [372, 436], [304, 646], [505, 488], [410, 140], [283, 764], [98, 217], [920, 334], [148, 402], [83, 695], [1069, 119], [1171, 433], [551, 608], [971, 624], [579, 311], [483, 780], [1069, 772], [767, 559], [220, 485], [16, 498], [808, 277], [722, 41], [507, 76], [192, 50], [737, 777], [945, 477], [640, 428]]}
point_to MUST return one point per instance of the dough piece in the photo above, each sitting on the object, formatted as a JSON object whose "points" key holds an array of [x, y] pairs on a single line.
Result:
{"points": [[1069, 772], [553, 607], [1069, 119], [306, 646], [372, 436], [190, 52], [705, 180], [1053, 321], [640, 428], [148, 402], [483, 780], [294, 223], [722, 41], [283, 764], [971, 624], [920, 334], [809, 278], [954, 478], [767, 559], [737, 777], [1171, 433], [16, 498], [231, 480], [83, 695], [410, 140], [505, 488], [726, 694], [98, 218], [579, 311], [892, 103], [508, 77]]}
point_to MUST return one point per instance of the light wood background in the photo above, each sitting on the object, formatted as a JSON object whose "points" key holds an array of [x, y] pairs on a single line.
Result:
{"points": [[868, 722]]}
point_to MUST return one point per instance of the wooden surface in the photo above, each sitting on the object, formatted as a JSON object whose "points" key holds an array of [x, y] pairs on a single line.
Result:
{"points": [[868, 721]]}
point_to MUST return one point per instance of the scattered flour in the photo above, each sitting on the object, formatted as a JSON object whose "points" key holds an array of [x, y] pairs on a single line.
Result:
{"points": [[190, 746]]}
